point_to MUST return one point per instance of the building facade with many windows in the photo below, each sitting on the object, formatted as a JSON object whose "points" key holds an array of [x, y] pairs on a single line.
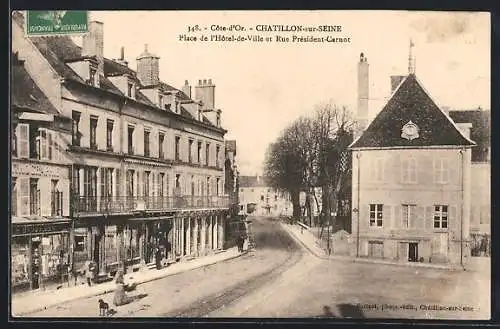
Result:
{"points": [[411, 180], [40, 195], [147, 159]]}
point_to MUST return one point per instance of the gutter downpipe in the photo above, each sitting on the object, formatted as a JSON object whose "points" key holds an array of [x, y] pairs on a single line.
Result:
{"points": [[358, 156], [462, 208]]}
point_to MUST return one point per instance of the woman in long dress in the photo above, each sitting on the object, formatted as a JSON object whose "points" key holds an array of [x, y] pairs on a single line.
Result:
{"points": [[121, 297]]}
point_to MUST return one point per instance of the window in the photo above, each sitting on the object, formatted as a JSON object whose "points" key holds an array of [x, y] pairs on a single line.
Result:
{"points": [[190, 151], [441, 216], [408, 216], [130, 134], [109, 135], [441, 171], [262, 197], [217, 153], [217, 186], [161, 140], [75, 130], [208, 186], [93, 132], [130, 86], [106, 182], [377, 170], [199, 153], [80, 243], [130, 182], [207, 154], [409, 170], [34, 196], [161, 184], [56, 199], [92, 76], [177, 148], [376, 215], [147, 176], [146, 142]]}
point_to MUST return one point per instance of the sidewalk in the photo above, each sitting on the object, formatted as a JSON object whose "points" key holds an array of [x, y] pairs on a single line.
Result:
{"points": [[29, 303], [309, 241]]}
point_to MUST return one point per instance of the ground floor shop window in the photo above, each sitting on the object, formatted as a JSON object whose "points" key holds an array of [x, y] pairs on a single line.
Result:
{"points": [[111, 245], [54, 256], [131, 241], [20, 262], [80, 248]]}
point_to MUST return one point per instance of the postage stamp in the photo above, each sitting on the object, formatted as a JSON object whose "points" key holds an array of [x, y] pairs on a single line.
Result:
{"points": [[54, 22]]}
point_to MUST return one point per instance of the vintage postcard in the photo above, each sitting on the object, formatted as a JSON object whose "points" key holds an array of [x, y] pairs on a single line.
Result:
{"points": [[257, 164]]}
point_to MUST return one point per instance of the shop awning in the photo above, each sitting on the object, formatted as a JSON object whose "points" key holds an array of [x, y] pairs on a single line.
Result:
{"points": [[144, 219]]}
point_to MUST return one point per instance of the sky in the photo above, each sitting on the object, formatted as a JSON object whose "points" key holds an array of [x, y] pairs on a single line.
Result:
{"points": [[262, 87]]}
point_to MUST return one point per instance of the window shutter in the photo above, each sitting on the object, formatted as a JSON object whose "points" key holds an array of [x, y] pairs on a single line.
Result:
{"points": [[429, 217], [43, 143], [23, 146], [453, 218], [117, 182], [419, 216], [404, 170], [154, 190], [398, 216], [435, 164], [386, 216], [364, 216], [24, 196], [50, 146], [139, 183]]}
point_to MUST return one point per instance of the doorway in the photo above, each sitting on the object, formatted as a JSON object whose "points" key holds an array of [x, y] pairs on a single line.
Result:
{"points": [[35, 263], [413, 252]]}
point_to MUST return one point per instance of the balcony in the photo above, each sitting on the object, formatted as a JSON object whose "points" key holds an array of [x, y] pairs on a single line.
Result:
{"points": [[123, 204]]}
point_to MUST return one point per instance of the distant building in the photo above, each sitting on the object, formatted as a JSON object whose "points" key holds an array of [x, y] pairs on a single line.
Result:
{"points": [[256, 193], [411, 180], [476, 123]]}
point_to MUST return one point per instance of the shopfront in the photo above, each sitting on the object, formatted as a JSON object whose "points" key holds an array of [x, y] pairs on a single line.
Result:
{"points": [[159, 233], [40, 253]]}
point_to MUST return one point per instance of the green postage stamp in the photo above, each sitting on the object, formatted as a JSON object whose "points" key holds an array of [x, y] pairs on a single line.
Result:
{"points": [[56, 22]]}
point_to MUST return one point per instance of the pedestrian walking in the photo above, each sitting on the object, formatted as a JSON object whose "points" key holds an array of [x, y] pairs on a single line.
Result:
{"points": [[158, 258]]}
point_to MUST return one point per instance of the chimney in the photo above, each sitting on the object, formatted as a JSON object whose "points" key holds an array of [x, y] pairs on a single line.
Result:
{"points": [[186, 89], [205, 92], [148, 68], [395, 81], [363, 95], [122, 60], [93, 44]]}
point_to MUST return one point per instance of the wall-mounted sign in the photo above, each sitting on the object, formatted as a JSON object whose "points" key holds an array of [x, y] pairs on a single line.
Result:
{"points": [[39, 228]]}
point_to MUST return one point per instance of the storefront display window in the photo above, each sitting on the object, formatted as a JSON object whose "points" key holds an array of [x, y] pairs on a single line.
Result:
{"points": [[54, 256], [20, 261], [131, 237], [111, 245]]}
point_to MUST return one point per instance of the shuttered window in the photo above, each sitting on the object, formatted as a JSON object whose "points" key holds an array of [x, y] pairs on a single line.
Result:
{"points": [[408, 216], [441, 171], [22, 134]]}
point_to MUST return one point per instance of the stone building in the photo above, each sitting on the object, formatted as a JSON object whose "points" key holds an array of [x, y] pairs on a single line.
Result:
{"points": [[40, 185], [257, 197], [147, 159], [411, 180]]}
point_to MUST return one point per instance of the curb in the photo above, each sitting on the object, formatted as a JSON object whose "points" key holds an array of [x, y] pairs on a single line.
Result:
{"points": [[370, 261], [109, 290], [314, 252]]}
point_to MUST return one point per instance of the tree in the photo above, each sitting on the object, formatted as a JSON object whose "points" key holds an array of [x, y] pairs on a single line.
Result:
{"points": [[312, 152]]}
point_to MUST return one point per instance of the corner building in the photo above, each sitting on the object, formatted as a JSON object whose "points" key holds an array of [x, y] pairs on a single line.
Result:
{"points": [[147, 159], [411, 180]]}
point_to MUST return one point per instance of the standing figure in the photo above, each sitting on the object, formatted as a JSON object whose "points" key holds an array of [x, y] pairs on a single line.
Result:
{"points": [[121, 297], [90, 268]]}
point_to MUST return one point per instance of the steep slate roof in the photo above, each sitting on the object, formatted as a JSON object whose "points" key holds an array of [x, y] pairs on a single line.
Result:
{"points": [[410, 102], [251, 181], [25, 93], [480, 132], [58, 50]]}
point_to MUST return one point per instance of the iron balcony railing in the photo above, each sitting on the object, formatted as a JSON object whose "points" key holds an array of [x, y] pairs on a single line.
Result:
{"points": [[125, 204]]}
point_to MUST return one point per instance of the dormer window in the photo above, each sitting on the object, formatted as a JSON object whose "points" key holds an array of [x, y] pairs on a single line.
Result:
{"points": [[130, 87], [160, 101], [92, 76]]}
